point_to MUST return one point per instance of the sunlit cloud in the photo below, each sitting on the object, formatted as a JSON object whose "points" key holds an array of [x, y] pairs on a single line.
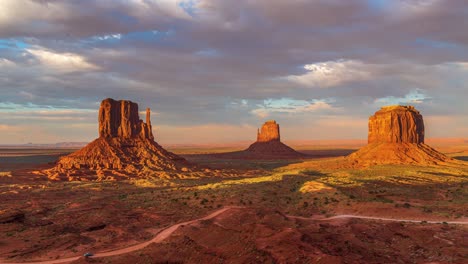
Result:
{"points": [[332, 73], [197, 63], [10, 128], [66, 62], [291, 106], [414, 97]]}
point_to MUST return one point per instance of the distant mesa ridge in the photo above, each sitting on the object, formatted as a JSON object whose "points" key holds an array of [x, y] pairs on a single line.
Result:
{"points": [[125, 148], [396, 136]]}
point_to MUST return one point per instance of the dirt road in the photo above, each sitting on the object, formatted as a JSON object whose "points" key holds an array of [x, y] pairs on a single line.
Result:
{"points": [[165, 233], [465, 222]]}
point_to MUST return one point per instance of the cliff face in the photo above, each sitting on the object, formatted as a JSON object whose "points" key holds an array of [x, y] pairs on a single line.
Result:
{"points": [[396, 124], [269, 132], [120, 119]]}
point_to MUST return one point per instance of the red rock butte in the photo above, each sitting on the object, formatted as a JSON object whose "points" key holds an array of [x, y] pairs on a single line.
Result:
{"points": [[270, 131], [125, 148], [396, 136], [268, 144]]}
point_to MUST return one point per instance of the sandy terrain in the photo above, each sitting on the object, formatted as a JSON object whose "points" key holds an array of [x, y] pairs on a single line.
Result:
{"points": [[293, 211]]}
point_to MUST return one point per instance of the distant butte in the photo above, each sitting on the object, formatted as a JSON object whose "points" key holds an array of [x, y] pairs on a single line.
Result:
{"points": [[270, 131], [125, 148], [269, 145], [396, 136]]}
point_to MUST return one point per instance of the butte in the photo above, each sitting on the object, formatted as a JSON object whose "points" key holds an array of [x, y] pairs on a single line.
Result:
{"points": [[125, 148], [268, 145], [396, 136]]}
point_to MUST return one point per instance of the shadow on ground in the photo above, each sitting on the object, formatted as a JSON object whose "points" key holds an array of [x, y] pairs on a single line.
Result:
{"points": [[463, 158]]}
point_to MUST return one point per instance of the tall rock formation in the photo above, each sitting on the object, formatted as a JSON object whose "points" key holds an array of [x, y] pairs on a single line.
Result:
{"points": [[396, 136], [125, 148], [121, 119], [396, 124], [270, 131], [268, 144]]}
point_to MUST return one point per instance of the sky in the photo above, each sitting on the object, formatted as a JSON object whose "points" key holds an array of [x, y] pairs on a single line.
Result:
{"points": [[212, 71]]}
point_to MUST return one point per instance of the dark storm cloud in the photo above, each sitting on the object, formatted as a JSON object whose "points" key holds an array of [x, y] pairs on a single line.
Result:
{"points": [[236, 62]]}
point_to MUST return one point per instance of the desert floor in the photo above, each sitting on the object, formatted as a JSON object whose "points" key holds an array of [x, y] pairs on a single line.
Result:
{"points": [[270, 211]]}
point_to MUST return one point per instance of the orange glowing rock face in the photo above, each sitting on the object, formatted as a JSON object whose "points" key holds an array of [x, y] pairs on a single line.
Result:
{"points": [[120, 119], [396, 136], [270, 131], [396, 124]]}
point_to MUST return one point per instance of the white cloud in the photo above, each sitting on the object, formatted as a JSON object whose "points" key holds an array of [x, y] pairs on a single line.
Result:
{"points": [[4, 63], [64, 62], [287, 105], [413, 7], [416, 96], [332, 73], [148, 8], [111, 36]]}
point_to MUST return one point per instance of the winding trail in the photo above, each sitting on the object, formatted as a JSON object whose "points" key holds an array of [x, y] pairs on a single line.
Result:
{"points": [[165, 233]]}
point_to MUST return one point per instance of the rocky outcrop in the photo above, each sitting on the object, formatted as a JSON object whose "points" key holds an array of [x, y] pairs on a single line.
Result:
{"points": [[396, 136], [396, 124], [270, 131], [125, 148], [121, 119]]}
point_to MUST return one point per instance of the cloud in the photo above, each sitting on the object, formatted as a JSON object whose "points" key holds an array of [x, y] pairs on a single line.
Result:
{"points": [[4, 63], [414, 97], [222, 62], [332, 73], [291, 106], [65, 62], [87, 17], [10, 128]]}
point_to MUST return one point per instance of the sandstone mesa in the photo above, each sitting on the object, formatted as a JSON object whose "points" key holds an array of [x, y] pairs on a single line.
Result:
{"points": [[396, 136]]}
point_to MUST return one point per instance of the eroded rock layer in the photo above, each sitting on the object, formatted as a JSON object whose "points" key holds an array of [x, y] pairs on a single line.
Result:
{"points": [[125, 148], [396, 136]]}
